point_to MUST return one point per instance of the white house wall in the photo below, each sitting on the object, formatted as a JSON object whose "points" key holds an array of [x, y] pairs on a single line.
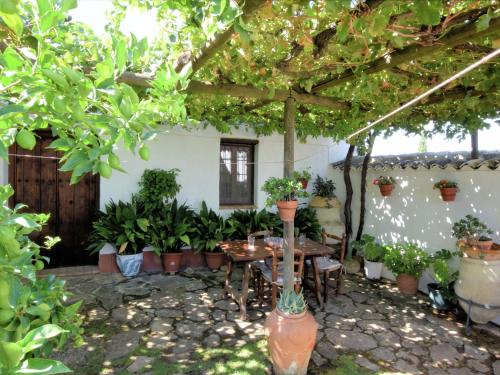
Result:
{"points": [[196, 155]]}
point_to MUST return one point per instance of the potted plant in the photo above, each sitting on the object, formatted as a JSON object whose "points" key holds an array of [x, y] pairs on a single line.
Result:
{"points": [[323, 193], [284, 193], [473, 232], [291, 334], [170, 231], [124, 226], [157, 187], [407, 261], [448, 189], [303, 177], [373, 254], [441, 292], [385, 184], [251, 221], [210, 229]]}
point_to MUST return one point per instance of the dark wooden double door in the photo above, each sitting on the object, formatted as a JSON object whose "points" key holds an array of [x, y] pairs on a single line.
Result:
{"points": [[38, 183]]}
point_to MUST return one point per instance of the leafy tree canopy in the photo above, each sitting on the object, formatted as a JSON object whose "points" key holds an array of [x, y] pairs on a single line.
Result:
{"points": [[229, 63]]}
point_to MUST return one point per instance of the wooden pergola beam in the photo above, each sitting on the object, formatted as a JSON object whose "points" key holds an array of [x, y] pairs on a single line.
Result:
{"points": [[459, 35], [240, 91]]}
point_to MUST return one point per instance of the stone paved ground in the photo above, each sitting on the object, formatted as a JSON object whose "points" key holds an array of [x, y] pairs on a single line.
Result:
{"points": [[157, 320]]}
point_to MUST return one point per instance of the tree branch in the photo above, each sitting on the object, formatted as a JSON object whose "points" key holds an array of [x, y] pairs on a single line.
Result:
{"points": [[249, 9], [458, 36]]}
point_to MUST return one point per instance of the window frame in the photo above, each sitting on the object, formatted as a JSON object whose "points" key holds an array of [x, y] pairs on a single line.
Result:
{"points": [[251, 145]]}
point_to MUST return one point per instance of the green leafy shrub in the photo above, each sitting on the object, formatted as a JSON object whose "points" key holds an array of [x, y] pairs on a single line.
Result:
{"points": [[251, 221], [306, 222], [369, 248], [282, 189], [302, 175], [122, 224], [406, 258], [34, 318], [157, 186], [471, 227], [172, 227], [323, 187], [291, 302], [443, 184], [443, 273], [210, 229]]}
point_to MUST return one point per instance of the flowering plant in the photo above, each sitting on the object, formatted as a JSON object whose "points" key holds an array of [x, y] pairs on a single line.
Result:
{"points": [[384, 180], [442, 184]]}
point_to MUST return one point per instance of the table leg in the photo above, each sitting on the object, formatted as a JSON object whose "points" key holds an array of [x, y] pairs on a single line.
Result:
{"points": [[227, 282], [317, 283], [244, 291]]}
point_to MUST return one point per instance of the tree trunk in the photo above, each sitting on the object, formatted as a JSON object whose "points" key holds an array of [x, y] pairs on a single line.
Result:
{"points": [[474, 140], [364, 172], [349, 192], [288, 226]]}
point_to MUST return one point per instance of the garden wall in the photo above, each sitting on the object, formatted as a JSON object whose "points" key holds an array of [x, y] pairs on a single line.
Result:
{"points": [[416, 213]]}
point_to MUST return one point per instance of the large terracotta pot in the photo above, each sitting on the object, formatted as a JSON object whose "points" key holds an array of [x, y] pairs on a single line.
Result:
{"points": [[215, 260], [171, 262], [107, 260], [448, 194], [152, 261], [386, 190], [407, 284], [479, 281], [287, 209], [291, 339], [193, 259]]}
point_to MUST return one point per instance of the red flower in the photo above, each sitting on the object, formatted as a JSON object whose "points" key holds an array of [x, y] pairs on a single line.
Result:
{"points": [[375, 181]]}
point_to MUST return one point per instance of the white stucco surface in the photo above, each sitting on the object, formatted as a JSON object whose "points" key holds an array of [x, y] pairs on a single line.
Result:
{"points": [[196, 155], [415, 211]]}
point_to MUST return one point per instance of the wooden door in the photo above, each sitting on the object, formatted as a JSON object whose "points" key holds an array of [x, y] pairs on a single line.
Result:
{"points": [[38, 183]]}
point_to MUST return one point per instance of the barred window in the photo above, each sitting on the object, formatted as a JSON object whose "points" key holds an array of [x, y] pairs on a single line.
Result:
{"points": [[236, 186]]}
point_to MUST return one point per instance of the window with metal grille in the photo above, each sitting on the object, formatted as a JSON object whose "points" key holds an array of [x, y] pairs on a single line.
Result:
{"points": [[236, 186]]}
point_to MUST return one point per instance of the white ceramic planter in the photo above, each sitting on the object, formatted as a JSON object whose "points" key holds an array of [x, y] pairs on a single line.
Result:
{"points": [[130, 265], [373, 270], [479, 281]]}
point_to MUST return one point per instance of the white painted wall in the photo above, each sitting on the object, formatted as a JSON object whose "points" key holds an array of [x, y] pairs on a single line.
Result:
{"points": [[415, 211], [196, 154]]}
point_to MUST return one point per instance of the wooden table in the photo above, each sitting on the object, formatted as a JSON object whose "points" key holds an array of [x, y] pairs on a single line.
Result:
{"points": [[237, 252]]}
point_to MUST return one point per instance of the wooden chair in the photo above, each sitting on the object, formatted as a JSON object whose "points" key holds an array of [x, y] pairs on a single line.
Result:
{"points": [[328, 266], [273, 275], [255, 266]]}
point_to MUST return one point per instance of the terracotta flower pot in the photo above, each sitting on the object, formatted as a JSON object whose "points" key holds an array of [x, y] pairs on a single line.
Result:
{"points": [[407, 284], [107, 259], [448, 194], [171, 262], [215, 260], [152, 261], [304, 183], [193, 258], [386, 190], [482, 245], [291, 339], [287, 209]]}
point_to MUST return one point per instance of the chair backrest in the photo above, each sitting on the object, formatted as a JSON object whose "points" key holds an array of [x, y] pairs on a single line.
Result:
{"points": [[261, 233], [298, 264], [341, 240]]}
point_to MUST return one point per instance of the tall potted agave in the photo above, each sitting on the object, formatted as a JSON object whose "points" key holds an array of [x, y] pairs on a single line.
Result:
{"points": [[283, 192], [210, 230], [171, 230], [291, 334]]}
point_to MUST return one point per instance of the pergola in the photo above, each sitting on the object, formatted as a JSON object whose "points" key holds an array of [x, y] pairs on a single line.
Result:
{"points": [[336, 66]]}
